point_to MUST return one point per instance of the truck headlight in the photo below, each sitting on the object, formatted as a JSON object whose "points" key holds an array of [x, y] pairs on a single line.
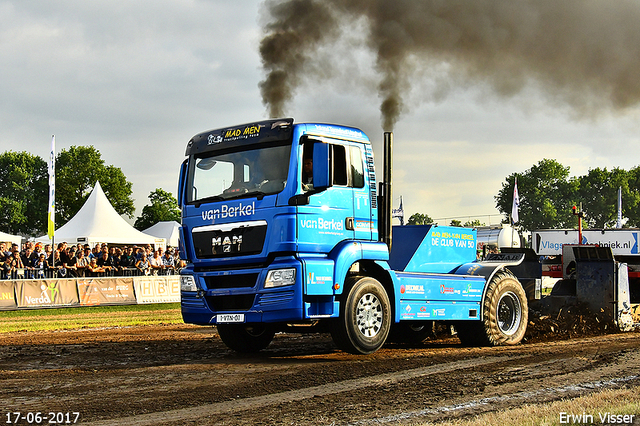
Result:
{"points": [[280, 277], [188, 283]]}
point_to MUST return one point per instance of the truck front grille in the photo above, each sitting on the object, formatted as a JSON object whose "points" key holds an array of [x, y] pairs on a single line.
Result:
{"points": [[242, 302], [230, 281]]}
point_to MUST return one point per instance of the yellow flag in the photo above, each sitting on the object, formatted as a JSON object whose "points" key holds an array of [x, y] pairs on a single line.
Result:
{"points": [[52, 189]]}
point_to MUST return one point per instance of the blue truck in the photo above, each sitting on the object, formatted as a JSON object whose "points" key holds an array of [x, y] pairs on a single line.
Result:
{"points": [[286, 227]]}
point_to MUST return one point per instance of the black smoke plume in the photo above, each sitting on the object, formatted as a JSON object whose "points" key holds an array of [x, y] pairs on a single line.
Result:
{"points": [[580, 53]]}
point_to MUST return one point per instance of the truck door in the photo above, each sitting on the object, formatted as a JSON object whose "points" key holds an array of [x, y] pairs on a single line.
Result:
{"points": [[328, 217], [362, 221]]}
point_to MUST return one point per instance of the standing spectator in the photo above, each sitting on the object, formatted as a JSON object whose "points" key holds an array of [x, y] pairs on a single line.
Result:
{"points": [[117, 258], [40, 266], [36, 251], [143, 265], [47, 251], [62, 248], [179, 262], [106, 262], [156, 263], [55, 265], [94, 270], [18, 265], [127, 260], [27, 261], [71, 265], [82, 263], [137, 253], [9, 267], [168, 262]]}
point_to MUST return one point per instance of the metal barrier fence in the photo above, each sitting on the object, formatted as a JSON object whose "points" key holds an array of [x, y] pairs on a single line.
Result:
{"points": [[39, 274], [88, 291]]}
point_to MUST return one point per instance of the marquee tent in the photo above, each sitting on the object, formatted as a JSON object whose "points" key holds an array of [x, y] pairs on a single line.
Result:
{"points": [[98, 222], [4, 237], [167, 230]]}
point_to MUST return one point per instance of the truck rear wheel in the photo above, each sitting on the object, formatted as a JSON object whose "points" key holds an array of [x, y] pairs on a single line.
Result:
{"points": [[365, 317], [246, 337], [505, 314]]}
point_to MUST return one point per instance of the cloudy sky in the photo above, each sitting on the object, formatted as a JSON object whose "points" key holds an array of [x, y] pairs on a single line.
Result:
{"points": [[137, 79]]}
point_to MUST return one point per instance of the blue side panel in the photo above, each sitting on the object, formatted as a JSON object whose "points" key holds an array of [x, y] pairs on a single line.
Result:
{"points": [[438, 296], [437, 311], [441, 249]]}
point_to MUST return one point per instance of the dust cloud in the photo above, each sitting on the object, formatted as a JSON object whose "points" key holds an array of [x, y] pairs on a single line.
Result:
{"points": [[581, 53]]}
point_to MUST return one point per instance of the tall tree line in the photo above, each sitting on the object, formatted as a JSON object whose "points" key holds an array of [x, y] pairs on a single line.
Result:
{"points": [[24, 194], [547, 195]]}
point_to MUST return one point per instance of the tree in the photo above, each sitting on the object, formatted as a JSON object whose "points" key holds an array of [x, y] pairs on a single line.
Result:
{"points": [[163, 207], [598, 193], [419, 219], [473, 223], [547, 196], [455, 222], [631, 198], [24, 193], [77, 171]]}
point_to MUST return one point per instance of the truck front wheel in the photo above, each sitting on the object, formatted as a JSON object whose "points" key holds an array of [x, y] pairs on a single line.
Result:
{"points": [[365, 317], [246, 337], [505, 314]]}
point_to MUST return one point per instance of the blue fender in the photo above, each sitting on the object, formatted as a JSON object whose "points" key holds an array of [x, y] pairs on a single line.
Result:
{"points": [[489, 267], [346, 253]]}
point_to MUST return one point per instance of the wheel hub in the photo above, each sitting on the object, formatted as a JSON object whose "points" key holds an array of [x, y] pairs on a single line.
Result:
{"points": [[509, 313], [369, 315]]}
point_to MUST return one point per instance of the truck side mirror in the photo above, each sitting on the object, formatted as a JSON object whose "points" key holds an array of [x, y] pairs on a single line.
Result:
{"points": [[321, 166], [181, 183]]}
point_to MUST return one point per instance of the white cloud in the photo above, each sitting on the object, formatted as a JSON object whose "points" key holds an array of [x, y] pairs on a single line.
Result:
{"points": [[138, 79]]}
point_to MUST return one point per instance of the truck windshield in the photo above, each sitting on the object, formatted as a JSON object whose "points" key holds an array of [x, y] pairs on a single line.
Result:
{"points": [[239, 174]]}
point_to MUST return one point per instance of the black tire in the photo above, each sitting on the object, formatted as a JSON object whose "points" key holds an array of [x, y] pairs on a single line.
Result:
{"points": [[246, 338], [411, 333], [505, 314], [365, 317]]}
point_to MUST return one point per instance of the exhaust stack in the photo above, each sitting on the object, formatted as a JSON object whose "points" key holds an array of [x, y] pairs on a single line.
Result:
{"points": [[385, 204]]}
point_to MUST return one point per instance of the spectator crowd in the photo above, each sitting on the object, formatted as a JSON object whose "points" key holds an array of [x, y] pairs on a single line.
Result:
{"points": [[37, 260]]}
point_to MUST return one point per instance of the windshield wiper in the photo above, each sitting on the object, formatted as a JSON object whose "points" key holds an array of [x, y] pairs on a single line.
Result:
{"points": [[259, 194], [201, 201]]}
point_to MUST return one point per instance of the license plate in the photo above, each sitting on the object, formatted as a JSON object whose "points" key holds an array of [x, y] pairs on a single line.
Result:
{"points": [[222, 318]]}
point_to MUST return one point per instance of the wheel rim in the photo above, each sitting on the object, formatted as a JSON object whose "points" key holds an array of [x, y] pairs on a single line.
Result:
{"points": [[369, 314], [509, 313]]}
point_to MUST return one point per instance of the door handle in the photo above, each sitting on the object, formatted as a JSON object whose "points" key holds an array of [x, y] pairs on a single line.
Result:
{"points": [[349, 223]]}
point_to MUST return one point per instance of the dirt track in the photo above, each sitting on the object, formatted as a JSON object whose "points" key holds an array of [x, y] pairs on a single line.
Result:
{"points": [[181, 374]]}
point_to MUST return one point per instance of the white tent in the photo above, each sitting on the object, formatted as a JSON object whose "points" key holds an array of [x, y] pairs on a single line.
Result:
{"points": [[4, 237], [167, 230], [98, 222]]}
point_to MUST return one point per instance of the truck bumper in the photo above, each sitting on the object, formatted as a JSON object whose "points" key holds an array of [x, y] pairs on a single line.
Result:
{"points": [[242, 292]]}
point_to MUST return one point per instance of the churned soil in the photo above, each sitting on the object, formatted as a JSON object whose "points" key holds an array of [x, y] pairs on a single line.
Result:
{"points": [[184, 375]]}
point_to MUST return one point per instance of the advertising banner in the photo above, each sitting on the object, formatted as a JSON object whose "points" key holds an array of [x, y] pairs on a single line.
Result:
{"points": [[623, 242], [45, 293], [157, 289], [106, 291], [7, 295]]}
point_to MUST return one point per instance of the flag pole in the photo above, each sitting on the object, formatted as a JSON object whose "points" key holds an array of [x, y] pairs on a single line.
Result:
{"points": [[51, 220], [514, 216], [619, 221]]}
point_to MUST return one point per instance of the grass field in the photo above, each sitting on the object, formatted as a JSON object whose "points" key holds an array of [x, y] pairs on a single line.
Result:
{"points": [[89, 317], [604, 407]]}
